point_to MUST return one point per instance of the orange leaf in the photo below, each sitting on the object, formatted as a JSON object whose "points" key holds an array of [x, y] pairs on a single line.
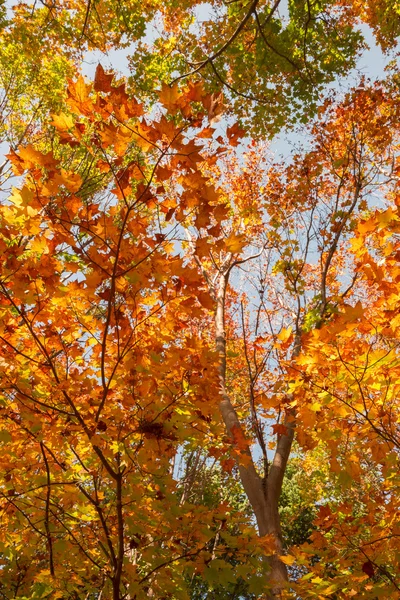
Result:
{"points": [[102, 80], [288, 560], [169, 97], [280, 429], [205, 300], [235, 243]]}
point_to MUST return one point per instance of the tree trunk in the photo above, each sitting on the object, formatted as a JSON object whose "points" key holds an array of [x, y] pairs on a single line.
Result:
{"points": [[262, 495]]}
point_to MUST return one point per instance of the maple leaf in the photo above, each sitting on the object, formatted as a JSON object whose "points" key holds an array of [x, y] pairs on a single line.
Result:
{"points": [[63, 123], [234, 133], [235, 243], [352, 313], [239, 439], [214, 104], [79, 96], [170, 97], [163, 173], [288, 559], [368, 568], [279, 429], [206, 300], [23, 198], [285, 334], [195, 91], [29, 157], [102, 80]]}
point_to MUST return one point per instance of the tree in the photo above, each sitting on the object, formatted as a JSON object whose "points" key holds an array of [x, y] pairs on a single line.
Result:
{"points": [[83, 349], [128, 333], [273, 62], [324, 190]]}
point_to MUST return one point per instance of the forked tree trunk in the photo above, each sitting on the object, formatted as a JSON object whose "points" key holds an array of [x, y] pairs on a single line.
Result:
{"points": [[263, 495]]}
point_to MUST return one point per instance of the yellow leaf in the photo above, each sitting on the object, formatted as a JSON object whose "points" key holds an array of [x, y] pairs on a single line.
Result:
{"points": [[366, 226], [169, 96], [63, 122], [386, 217], [235, 243], [352, 313], [285, 334], [23, 198], [79, 89], [39, 244], [287, 560]]}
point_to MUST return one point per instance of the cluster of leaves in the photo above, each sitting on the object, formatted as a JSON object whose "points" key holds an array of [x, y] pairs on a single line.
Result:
{"points": [[166, 293], [96, 396]]}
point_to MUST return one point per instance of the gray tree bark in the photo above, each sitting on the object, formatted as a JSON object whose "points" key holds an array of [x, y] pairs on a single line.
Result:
{"points": [[263, 495]]}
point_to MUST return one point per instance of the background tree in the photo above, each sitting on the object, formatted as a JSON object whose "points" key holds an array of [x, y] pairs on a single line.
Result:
{"points": [[320, 197], [273, 60]]}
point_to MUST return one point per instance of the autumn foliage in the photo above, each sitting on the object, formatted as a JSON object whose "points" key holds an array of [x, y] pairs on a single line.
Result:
{"points": [[199, 355]]}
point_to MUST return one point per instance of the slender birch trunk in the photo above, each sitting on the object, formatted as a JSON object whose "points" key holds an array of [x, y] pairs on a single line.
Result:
{"points": [[263, 495]]}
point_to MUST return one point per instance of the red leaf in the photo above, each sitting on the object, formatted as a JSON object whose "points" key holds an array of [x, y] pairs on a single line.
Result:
{"points": [[228, 464], [205, 300], [102, 80], [169, 214], [280, 429], [368, 568]]}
